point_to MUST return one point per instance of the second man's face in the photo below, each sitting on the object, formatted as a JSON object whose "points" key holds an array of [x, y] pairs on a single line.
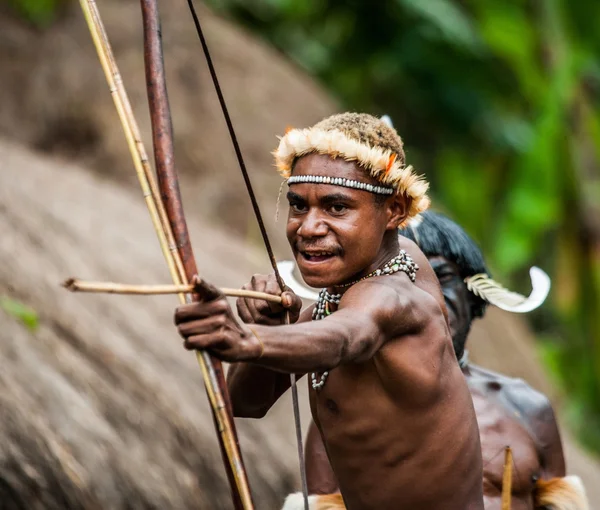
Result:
{"points": [[457, 298]]}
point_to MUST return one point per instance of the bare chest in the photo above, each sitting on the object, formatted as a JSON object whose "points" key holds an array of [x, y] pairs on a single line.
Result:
{"points": [[500, 427]]}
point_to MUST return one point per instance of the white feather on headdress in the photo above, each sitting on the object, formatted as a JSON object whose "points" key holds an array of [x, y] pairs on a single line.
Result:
{"points": [[387, 120], [491, 291]]}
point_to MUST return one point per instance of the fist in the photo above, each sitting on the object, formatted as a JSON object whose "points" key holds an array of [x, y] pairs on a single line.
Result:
{"points": [[258, 311], [210, 325]]}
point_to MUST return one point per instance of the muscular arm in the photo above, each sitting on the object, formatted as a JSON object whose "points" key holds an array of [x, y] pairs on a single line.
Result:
{"points": [[552, 458], [369, 314]]}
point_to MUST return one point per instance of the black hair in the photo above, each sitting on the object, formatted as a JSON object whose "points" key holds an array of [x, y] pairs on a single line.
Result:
{"points": [[437, 234]]}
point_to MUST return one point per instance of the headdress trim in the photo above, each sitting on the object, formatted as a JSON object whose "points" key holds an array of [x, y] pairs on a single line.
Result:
{"points": [[382, 164]]}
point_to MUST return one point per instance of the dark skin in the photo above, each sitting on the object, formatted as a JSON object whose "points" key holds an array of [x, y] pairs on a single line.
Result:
{"points": [[387, 348], [509, 412]]}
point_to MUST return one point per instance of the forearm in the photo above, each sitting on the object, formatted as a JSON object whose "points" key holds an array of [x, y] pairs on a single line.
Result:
{"points": [[254, 389], [317, 346]]}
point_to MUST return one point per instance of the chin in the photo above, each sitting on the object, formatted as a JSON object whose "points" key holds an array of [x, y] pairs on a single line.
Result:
{"points": [[317, 281], [319, 274]]}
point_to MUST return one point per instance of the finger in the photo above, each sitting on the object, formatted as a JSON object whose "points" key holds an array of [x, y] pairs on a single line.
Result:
{"points": [[199, 310], [291, 301], [257, 307], [257, 283], [243, 311], [205, 290], [210, 341], [201, 327], [273, 287]]}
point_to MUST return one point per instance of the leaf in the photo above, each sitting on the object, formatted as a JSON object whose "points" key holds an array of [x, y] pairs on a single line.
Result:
{"points": [[21, 312], [449, 20]]}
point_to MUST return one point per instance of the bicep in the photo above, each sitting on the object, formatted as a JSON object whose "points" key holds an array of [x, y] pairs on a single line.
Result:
{"points": [[375, 316], [380, 313]]}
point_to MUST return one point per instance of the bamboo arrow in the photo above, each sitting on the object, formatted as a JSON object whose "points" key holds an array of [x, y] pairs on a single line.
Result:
{"points": [[507, 479], [76, 285]]}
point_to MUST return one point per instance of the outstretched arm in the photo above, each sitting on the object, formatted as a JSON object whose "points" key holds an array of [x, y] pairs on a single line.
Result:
{"points": [[370, 313]]}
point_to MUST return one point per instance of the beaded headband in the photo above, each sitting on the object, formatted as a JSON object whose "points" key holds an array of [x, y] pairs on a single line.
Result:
{"points": [[340, 181], [382, 164]]}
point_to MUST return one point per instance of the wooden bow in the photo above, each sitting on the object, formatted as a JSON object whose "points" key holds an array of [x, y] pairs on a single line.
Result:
{"points": [[164, 204], [168, 183]]}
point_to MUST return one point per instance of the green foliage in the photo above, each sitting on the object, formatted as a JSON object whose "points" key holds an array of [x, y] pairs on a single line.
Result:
{"points": [[498, 103], [38, 12], [21, 312]]}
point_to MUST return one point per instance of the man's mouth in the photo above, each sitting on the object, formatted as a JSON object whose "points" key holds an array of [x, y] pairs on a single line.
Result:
{"points": [[317, 256]]}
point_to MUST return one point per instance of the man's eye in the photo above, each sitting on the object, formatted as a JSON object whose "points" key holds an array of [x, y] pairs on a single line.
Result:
{"points": [[445, 277], [338, 208], [297, 207]]}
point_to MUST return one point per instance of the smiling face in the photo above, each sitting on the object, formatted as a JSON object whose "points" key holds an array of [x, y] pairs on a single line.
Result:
{"points": [[336, 233], [458, 300]]}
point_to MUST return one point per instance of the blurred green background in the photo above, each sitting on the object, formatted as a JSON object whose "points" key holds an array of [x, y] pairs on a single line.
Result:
{"points": [[498, 104]]}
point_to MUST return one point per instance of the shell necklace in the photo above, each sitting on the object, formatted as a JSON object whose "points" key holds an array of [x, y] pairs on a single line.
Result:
{"points": [[401, 262]]}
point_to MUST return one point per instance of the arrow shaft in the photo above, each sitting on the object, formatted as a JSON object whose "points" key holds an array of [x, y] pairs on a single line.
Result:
{"points": [[76, 285]]}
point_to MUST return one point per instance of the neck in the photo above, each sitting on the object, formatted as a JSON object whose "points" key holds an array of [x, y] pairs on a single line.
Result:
{"points": [[389, 249]]}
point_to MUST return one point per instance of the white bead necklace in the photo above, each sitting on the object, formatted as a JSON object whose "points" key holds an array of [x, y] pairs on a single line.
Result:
{"points": [[401, 262]]}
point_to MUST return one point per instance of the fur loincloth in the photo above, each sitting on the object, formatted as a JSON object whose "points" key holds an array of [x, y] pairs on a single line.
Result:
{"points": [[325, 502], [565, 493]]}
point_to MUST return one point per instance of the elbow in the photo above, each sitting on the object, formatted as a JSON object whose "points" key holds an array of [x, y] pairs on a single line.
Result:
{"points": [[248, 412], [356, 350]]}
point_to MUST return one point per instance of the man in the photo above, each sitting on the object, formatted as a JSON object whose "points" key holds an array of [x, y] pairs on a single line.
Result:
{"points": [[509, 412], [378, 350]]}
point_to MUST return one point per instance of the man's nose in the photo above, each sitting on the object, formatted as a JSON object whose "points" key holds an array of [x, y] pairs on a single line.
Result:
{"points": [[313, 226]]}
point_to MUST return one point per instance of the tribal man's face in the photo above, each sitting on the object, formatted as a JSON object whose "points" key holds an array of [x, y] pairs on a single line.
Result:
{"points": [[457, 299], [335, 232]]}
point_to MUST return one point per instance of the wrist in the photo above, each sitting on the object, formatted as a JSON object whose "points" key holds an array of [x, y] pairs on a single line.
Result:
{"points": [[258, 347]]}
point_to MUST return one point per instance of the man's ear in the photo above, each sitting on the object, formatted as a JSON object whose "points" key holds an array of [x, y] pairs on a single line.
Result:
{"points": [[398, 207]]}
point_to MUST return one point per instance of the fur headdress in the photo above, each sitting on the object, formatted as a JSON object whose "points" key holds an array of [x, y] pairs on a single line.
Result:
{"points": [[360, 137]]}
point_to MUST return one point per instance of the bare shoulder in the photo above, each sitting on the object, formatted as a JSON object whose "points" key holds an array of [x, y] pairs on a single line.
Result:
{"points": [[398, 305], [425, 270], [426, 277], [515, 390], [533, 407]]}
